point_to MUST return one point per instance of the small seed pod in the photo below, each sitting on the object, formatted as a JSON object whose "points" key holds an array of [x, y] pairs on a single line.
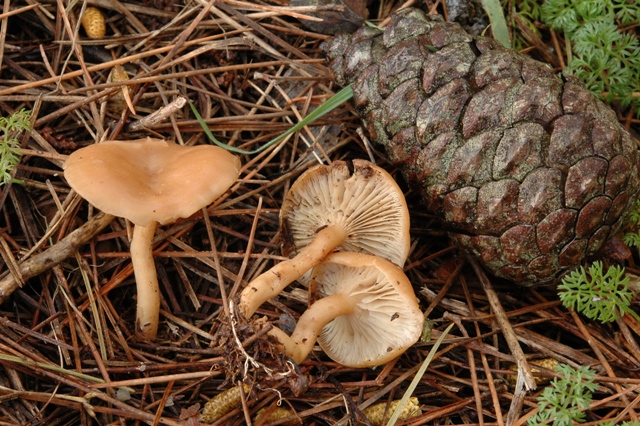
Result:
{"points": [[376, 413], [267, 415], [119, 101], [93, 23], [548, 363], [222, 404]]}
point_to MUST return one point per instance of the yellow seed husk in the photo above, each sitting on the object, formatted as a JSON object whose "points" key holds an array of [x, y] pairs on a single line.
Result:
{"points": [[93, 23], [548, 363], [122, 98], [375, 413], [222, 404], [118, 74], [278, 413]]}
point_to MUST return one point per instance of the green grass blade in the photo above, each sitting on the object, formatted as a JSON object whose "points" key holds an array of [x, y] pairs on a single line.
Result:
{"points": [[332, 103], [414, 383], [498, 22]]}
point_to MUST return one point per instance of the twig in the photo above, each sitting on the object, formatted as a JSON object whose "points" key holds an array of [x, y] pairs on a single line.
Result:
{"points": [[158, 116], [505, 326], [49, 258], [156, 379]]}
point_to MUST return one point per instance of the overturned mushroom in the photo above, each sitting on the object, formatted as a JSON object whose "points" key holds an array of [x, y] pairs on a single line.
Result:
{"points": [[366, 312], [150, 181], [345, 206]]}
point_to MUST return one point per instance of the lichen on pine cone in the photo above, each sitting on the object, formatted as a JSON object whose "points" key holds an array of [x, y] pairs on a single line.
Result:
{"points": [[528, 170]]}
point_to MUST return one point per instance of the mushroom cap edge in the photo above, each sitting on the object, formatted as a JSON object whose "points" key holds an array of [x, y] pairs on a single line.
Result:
{"points": [[150, 180]]}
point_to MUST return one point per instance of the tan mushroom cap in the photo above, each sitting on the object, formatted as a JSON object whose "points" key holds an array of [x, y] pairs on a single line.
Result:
{"points": [[363, 200], [151, 180], [386, 318]]}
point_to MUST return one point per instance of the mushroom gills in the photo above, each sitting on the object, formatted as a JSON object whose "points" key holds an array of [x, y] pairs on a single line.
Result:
{"points": [[366, 312]]}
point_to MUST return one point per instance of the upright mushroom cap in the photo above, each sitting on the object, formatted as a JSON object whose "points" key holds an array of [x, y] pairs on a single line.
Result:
{"points": [[151, 180], [364, 201], [385, 319]]}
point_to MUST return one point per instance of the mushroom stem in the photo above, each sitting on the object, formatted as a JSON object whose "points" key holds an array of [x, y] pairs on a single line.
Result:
{"points": [[311, 322], [271, 283], [144, 269]]}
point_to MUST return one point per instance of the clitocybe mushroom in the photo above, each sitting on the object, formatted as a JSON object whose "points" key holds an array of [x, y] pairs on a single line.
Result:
{"points": [[344, 206], [366, 313], [150, 181]]}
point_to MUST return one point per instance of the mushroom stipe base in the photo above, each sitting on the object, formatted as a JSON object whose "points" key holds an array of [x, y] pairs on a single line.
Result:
{"points": [[273, 369]]}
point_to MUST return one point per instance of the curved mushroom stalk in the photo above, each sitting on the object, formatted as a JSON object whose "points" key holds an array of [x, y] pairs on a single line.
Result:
{"points": [[352, 207], [269, 284], [144, 269], [366, 312], [310, 325]]}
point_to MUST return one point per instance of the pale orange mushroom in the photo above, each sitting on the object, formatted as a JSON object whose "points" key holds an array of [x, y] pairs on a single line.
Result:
{"points": [[365, 312], [150, 181], [352, 206]]}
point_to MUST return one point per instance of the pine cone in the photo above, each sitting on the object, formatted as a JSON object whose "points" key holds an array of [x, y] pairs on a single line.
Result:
{"points": [[529, 171]]}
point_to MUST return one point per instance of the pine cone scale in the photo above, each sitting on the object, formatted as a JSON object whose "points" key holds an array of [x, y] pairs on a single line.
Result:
{"points": [[518, 153], [537, 101], [556, 229], [585, 180], [497, 206], [450, 63], [442, 111]]}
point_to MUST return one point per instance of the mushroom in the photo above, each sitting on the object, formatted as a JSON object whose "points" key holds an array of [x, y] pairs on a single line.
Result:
{"points": [[366, 312], [149, 181], [352, 206]]}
